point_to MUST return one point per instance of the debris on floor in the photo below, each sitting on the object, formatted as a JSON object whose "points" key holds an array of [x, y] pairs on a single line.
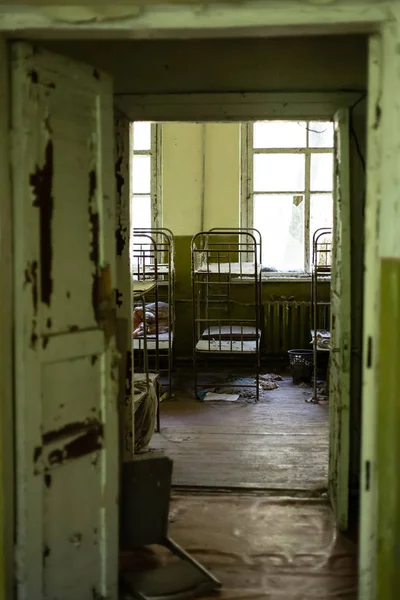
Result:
{"points": [[203, 393], [268, 381], [322, 397], [272, 436], [268, 385], [304, 385], [243, 393], [271, 377]]}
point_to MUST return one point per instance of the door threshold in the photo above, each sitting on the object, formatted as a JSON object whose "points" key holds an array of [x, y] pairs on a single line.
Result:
{"points": [[318, 494]]}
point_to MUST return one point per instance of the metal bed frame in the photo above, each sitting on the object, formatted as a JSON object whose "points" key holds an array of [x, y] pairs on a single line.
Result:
{"points": [[143, 255], [321, 271], [139, 291], [153, 258], [222, 260]]}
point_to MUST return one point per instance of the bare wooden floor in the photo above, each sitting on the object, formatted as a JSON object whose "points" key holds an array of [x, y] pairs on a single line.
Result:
{"points": [[281, 443], [262, 548], [267, 548]]}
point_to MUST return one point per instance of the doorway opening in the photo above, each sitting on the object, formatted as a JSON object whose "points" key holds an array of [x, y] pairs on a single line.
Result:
{"points": [[264, 190], [195, 204]]}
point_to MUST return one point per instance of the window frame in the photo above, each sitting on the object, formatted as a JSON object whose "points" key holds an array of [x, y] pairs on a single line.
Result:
{"points": [[155, 172], [247, 194]]}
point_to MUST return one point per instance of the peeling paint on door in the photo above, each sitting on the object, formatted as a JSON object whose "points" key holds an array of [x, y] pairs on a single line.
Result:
{"points": [[41, 182], [66, 389]]}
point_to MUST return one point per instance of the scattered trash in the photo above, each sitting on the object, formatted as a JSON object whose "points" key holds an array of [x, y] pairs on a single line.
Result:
{"points": [[176, 439], [203, 393], [268, 385], [268, 381], [243, 393], [215, 397], [271, 377], [321, 391], [321, 400]]}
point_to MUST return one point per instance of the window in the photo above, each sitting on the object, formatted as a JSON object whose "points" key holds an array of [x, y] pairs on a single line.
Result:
{"points": [[145, 172], [287, 188]]}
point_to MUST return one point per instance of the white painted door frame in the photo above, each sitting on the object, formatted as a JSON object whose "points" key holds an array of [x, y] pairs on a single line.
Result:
{"points": [[368, 475], [340, 357]]}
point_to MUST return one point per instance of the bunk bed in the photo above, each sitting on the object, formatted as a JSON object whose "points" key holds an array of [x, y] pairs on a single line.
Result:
{"points": [[223, 260], [153, 260], [321, 272]]}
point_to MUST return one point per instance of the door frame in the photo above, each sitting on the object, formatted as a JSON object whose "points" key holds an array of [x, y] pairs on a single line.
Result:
{"points": [[340, 401], [6, 340], [255, 106], [345, 17]]}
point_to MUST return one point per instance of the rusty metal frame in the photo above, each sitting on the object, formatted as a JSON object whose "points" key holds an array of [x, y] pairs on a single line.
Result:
{"points": [[322, 249], [219, 262], [143, 253], [163, 269]]}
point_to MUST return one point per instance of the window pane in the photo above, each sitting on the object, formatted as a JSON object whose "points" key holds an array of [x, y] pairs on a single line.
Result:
{"points": [[321, 172], [279, 172], [141, 135], [321, 215], [320, 134], [279, 134], [141, 178], [141, 211], [280, 219]]}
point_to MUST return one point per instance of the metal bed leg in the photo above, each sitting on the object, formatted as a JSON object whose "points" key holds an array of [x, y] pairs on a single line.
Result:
{"points": [[158, 426]]}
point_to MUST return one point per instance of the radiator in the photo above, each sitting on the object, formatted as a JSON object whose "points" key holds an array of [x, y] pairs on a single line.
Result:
{"points": [[287, 325]]}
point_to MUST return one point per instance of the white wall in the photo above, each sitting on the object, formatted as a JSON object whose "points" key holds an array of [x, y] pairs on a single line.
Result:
{"points": [[200, 166]]}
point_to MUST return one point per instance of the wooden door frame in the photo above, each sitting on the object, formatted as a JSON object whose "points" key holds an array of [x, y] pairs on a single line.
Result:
{"points": [[185, 20]]}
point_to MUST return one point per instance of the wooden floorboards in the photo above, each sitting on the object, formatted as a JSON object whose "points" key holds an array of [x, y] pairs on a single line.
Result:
{"points": [[267, 548], [281, 443], [260, 548]]}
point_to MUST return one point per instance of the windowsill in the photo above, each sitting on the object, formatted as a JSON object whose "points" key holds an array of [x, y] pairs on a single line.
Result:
{"points": [[274, 277]]}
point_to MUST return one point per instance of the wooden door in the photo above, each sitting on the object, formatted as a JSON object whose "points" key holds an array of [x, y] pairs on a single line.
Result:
{"points": [[66, 365], [339, 385]]}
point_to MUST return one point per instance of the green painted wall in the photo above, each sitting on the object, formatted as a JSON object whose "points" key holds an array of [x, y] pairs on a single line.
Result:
{"points": [[388, 558]]}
